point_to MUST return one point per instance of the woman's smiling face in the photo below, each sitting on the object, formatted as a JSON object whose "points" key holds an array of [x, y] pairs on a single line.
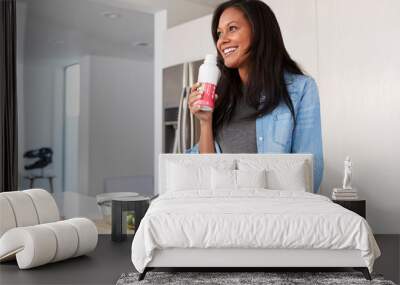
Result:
{"points": [[234, 38]]}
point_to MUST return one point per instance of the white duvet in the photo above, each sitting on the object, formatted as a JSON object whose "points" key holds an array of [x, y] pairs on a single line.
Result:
{"points": [[250, 219]]}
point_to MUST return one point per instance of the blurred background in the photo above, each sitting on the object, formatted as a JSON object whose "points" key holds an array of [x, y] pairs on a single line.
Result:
{"points": [[99, 85]]}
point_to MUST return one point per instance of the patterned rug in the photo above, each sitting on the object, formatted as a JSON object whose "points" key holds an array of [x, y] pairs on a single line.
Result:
{"points": [[243, 278]]}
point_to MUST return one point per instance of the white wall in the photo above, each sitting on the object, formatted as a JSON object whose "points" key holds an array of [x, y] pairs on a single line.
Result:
{"points": [[43, 114], [120, 119], [71, 127], [297, 20], [39, 89], [84, 131], [359, 64], [160, 26], [196, 43], [351, 49], [38, 102]]}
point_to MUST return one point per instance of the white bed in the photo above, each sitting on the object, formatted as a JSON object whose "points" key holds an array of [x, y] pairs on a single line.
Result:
{"points": [[247, 227]]}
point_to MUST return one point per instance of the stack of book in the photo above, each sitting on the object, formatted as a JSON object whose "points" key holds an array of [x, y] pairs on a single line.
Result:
{"points": [[344, 194]]}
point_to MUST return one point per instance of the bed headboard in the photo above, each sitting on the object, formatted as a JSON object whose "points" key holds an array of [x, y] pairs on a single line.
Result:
{"points": [[232, 157]]}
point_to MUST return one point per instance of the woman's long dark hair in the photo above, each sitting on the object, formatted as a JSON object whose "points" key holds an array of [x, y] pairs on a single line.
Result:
{"points": [[268, 60]]}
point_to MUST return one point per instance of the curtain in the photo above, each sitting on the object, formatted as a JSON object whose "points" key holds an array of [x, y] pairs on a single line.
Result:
{"points": [[8, 98]]}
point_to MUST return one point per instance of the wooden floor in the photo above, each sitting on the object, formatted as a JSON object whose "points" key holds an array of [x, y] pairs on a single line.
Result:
{"points": [[110, 260], [103, 266]]}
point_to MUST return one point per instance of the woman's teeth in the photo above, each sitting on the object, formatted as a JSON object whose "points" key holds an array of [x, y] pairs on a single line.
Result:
{"points": [[230, 50]]}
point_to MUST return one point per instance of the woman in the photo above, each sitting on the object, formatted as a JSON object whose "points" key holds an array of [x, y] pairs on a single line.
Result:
{"points": [[265, 103]]}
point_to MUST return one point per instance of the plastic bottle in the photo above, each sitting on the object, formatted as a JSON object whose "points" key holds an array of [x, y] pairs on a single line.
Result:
{"points": [[209, 74]]}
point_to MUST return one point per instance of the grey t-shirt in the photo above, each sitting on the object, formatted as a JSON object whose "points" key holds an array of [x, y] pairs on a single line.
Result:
{"points": [[239, 135]]}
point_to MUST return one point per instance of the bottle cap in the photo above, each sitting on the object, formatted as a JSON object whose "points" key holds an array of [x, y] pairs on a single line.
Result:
{"points": [[211, 58]]}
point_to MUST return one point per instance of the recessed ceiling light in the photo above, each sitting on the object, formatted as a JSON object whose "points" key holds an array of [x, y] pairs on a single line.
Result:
{"points": [[56, 42], [140, 44], [111, 15]]}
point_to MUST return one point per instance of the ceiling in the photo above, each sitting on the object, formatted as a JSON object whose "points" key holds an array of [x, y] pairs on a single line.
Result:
{"points": [[178, 11], [71, 28]]}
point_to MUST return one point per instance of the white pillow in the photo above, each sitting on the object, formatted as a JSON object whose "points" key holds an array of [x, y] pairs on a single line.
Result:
{"points": [[192, 173], [223, 179], [293, 178], [182, 177], [251, 178], [227, 179], [281, 174]]}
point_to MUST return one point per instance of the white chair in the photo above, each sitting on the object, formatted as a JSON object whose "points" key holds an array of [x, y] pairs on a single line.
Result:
{"points": [[31, 231]]}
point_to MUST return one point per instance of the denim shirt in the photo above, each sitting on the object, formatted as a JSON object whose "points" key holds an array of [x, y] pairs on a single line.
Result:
{"points": [[276, 133]]}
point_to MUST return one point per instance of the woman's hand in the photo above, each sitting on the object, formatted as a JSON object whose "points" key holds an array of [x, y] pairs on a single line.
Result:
{"points": [[203, 116]]}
